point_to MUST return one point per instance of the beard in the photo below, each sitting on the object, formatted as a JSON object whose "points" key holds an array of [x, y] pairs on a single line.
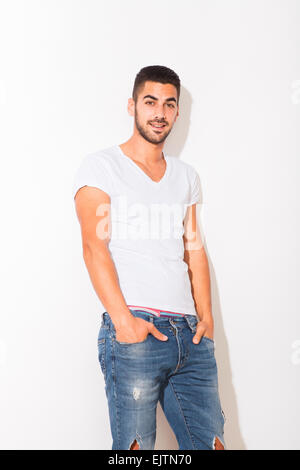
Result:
{"points": [[147, 133]]}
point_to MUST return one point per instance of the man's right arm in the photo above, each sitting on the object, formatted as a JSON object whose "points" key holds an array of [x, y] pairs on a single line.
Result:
{"points": [[93, 212]]}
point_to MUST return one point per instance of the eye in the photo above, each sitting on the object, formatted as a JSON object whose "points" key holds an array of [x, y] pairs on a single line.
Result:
{"points": [[149, 102], [172, 105]]}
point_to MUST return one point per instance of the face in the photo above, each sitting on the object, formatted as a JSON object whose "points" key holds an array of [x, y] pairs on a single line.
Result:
{"points": [[156, 106]]}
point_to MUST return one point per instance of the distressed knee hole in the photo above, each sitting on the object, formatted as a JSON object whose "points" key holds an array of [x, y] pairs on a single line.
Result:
{"points": [[218, 444], [134, 445], [136, 393]]}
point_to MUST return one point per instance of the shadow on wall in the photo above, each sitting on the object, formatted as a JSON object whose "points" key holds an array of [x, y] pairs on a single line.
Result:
{"points": [[165, 437]]}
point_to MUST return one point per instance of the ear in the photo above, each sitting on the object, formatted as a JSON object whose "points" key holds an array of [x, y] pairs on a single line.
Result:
{"points": [[131, 106]]}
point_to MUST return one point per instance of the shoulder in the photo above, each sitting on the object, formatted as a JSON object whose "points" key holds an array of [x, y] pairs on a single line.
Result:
{"points": [[183, 167], [96, 169], [105, 157]]}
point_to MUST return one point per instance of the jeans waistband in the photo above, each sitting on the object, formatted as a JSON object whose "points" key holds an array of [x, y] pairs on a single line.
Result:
{"points": [[190, 320]]}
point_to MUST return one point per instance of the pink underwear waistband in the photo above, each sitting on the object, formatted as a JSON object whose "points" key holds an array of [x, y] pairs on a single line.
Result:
{"points": [[156, 311]]}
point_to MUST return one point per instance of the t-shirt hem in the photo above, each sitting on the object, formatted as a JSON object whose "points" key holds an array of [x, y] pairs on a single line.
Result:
{"points": [[91, 184], [196, 201]]}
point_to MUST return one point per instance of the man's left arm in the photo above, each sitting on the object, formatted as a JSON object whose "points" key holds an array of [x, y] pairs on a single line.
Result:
{"points": [[198, 269]]}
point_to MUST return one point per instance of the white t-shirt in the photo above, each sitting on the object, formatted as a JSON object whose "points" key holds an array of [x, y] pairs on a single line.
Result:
{"points": [[146, 242]]}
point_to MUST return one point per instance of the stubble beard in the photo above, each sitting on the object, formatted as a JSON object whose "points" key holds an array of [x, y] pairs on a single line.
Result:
{"points": [[147, 135]]}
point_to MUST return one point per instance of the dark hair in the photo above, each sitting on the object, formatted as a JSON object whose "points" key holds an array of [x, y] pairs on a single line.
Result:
{"points": [[155, 73]]}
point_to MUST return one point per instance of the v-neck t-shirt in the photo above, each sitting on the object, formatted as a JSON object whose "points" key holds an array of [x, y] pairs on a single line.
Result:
{"points": [[146, 242]]}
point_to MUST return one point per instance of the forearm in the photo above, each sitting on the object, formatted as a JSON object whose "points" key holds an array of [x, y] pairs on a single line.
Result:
{"points": [[104, 278], [200, 283]]}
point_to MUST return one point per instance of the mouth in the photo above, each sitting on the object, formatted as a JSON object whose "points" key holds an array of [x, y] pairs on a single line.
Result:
{"points": [[157, 127]]}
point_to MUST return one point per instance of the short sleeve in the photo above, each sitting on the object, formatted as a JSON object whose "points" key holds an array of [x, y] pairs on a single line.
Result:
{"points": [[195, 189], [92, 172]]}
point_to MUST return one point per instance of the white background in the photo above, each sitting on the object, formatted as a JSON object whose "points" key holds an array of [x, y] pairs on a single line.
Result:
{"points": [[67, 71]]}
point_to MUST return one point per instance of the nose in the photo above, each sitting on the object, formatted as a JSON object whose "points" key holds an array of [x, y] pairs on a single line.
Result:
{"points": [[160, 112]]}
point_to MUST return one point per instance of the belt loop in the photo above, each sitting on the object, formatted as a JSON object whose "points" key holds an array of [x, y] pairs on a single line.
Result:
{"points": [[105, 318], [193, 328]]}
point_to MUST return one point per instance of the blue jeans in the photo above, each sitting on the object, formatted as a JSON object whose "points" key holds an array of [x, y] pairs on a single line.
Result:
{"points": [[179, 374]]}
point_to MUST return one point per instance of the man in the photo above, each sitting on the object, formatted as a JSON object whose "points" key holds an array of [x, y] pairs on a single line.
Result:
{"points": [[156, 337]]}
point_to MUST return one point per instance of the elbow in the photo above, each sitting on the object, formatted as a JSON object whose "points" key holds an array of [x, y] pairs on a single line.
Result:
{"points": [[86, 251], [91, 250]]}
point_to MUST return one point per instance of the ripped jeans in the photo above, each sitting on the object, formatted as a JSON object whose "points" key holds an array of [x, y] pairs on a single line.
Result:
{"points": [[179, 374]]}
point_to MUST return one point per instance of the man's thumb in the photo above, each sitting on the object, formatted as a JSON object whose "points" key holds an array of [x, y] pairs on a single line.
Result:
{"points": [[158, 334]]}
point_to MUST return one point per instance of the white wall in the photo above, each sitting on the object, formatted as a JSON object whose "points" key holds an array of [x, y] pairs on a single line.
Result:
{"points": [[67, 70]]}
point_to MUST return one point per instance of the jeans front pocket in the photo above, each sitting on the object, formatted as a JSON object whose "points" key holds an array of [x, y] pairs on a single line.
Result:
{"points": [[208, 339], [101, 354], [123, 343]]}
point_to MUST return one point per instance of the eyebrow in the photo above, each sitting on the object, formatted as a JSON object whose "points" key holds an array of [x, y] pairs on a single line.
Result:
{"points": [[156, 99]]}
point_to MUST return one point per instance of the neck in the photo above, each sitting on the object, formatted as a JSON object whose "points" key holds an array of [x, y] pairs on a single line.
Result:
{"points": [[143, 151]]}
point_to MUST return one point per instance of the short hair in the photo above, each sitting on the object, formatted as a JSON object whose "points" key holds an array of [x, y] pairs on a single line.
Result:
{"points": [[155, 73]]}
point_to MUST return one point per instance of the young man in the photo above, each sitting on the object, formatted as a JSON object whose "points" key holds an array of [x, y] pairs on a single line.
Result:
{"points": [[142, 248]]}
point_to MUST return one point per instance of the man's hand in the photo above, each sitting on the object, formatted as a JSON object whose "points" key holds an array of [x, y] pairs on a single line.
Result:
{"points": [[136, 330], [204, 328]]}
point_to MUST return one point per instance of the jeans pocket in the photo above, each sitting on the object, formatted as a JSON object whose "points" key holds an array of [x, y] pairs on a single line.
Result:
{"points": [[123, 343], [208, 339], [101, 354]]}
